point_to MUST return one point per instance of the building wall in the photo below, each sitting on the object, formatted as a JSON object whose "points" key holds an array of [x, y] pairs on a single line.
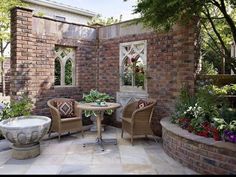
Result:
{"points": [[171, 60], [51, 13]]}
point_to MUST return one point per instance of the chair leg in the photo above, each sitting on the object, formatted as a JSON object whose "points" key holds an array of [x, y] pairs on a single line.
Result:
{"points": [[132, 140], [59, 137], [122, 130], [82, 132]]}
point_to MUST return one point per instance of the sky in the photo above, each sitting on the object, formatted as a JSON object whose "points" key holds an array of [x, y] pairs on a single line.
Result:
{"points": [[107, 8]]}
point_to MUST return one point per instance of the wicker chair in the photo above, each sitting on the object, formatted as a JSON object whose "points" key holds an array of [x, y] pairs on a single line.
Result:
{"points": [[137, 121], [67, 124]]}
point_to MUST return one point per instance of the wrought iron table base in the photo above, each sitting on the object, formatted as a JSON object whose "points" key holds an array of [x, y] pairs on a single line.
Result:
{"points": [[101, 142]]}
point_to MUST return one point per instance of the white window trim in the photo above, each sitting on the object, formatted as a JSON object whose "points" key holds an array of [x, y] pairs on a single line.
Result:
{"points": [[122, 56]]}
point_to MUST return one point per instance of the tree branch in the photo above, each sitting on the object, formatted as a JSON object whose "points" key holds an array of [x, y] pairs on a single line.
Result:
{"points": [[229, 20], [214, 41], [207, 13]]}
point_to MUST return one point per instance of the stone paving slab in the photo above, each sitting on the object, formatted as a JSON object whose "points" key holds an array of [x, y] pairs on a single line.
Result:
{"points": [[68, 156]]}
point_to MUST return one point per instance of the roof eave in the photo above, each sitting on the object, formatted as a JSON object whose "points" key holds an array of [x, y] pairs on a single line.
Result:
{"points": [[62, 7]]}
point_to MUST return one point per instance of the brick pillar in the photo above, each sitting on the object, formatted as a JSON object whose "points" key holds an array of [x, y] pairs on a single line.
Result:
{"points": [[21, 51]]}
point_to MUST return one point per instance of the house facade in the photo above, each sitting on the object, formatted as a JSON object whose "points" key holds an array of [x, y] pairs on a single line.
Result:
{"points": [[59, 11]]}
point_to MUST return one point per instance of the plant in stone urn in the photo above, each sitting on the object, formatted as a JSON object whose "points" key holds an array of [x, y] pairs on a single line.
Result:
{"points": [[100, 99]]}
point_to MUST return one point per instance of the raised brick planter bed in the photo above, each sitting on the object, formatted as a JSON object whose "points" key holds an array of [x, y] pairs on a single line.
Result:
{"points": [[204, 155]]}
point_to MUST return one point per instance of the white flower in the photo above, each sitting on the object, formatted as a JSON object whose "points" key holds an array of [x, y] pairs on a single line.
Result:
{"points": [[2, 106]]}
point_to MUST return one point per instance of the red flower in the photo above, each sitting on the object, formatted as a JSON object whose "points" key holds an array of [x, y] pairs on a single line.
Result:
{"points": [[206, 125], [190, 128], [216, 134], [203, 133]]}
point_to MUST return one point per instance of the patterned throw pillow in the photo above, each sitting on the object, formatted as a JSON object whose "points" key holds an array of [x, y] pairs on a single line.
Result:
{"points": [[66, 108], [142, 104]]}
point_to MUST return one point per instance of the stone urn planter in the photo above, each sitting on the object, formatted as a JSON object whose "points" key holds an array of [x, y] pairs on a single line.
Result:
{"points": [[25, 132]]}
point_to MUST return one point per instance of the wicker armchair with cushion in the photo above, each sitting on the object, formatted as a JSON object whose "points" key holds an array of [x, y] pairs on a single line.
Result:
{"points": [[136, 118], [66, 117]]}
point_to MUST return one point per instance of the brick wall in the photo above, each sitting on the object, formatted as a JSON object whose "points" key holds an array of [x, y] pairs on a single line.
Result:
{"points": [[204, 155], [171, 59], [171, 62], [32, 61]]}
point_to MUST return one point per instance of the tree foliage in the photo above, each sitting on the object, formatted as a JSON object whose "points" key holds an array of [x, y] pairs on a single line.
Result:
{"points": [[5, 7], [98, 19], [217, 17]]}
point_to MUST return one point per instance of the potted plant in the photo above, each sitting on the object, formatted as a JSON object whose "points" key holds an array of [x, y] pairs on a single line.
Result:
{"points": [[100, 99], [20, 107]]}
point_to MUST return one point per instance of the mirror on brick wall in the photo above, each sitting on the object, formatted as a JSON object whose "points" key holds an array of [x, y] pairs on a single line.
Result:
{"points": [[64, 66], [133, 64], [133, 59]]}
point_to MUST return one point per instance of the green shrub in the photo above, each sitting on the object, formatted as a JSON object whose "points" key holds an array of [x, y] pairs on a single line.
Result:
{"points": [[98, 97], [21, 107], [193, 110], [230, 89]]}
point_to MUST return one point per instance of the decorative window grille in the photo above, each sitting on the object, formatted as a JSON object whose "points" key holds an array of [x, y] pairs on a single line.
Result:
{"points": [[133, 61], [64, 72]]}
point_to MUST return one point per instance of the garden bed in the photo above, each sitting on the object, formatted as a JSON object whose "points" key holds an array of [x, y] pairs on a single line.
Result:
{"points": [[204, 155]]}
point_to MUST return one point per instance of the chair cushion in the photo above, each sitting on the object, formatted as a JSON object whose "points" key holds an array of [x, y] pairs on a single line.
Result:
{"points": [[66, 108], [142, 104]]}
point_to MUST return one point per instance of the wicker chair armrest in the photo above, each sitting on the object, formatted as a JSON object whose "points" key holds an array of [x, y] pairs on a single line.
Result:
{"points": [[77, 110], [54, 112], [129, 109], [143, 114]]}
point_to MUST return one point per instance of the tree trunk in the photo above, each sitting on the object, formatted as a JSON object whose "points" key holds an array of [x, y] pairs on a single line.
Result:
{"points": [[223, 62], [3, 78], [2, 69]]}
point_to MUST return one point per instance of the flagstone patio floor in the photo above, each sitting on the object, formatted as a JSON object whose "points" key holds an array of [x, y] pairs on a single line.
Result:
{"points": [[70, 157]]}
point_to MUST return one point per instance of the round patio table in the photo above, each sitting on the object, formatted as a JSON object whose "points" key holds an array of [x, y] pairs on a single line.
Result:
{"points": [[99, 111]]}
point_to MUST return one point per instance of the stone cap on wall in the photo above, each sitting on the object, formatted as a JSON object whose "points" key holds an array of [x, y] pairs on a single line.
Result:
{"points": [[165, 122], [122, 29], [43, 26]]}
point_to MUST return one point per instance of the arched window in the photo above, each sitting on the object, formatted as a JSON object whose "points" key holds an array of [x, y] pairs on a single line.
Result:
{"points": [[133, 66], [64, 66], [68, 72], [57, 72]]}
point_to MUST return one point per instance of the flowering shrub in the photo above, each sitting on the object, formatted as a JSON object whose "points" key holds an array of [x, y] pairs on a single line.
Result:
{"points": [[197, 114], [230, 136], [228, 130]]}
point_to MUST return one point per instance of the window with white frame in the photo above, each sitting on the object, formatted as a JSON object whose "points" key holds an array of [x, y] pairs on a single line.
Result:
{"points": [[133, 60], [60, 18], [64, 66]]}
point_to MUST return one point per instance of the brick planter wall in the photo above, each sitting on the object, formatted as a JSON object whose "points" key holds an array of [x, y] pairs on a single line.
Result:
{"points": [[204, 155]]}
